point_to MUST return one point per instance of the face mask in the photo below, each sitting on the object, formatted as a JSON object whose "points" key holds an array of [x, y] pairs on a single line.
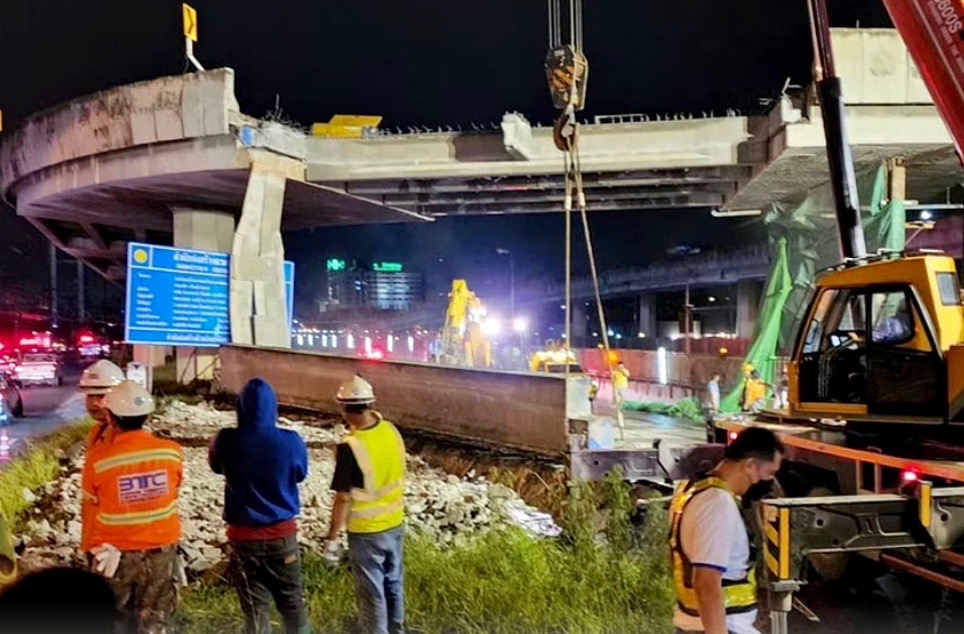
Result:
{"points": [[757, 492]]}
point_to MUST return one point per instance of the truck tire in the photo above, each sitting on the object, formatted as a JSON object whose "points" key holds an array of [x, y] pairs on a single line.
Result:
{"points": [[18, 410]]}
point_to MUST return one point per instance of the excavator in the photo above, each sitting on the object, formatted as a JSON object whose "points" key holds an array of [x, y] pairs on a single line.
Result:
{"points": [[463, 342]]}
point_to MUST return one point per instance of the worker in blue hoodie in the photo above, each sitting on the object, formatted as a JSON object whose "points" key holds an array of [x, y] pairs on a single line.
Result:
{"points": [[262, 466]]}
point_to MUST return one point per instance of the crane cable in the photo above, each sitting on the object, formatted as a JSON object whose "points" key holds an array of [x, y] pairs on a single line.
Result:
{"points": [[574, 181], [567, 70]]}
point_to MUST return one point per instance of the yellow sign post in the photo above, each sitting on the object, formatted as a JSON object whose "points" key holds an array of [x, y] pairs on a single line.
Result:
{"points": [[189, 15]]}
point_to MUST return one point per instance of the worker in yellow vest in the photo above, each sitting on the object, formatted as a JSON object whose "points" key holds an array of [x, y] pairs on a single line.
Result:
{"points": [[713, 561], [369, 485], [8, 557], [620, 376]]}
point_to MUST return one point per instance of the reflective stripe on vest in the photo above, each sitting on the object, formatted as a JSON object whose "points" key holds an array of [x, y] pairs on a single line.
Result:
{"points": [[738, 595], [131, 491], [380, 454]]}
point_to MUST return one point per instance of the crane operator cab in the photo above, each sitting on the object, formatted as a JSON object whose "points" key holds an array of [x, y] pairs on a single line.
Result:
{"points": [[883, 342]]}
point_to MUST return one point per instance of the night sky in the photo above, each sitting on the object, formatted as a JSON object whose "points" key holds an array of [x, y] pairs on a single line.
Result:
{"points": [[425, 62]]}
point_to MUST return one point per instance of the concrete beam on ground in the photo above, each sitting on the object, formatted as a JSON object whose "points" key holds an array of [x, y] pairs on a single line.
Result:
{"points": [[455, 403]]}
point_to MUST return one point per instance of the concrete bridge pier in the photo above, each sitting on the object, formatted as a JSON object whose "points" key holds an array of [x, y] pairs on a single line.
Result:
{"points": [[646, 315], [748, 295], [258, 307]]}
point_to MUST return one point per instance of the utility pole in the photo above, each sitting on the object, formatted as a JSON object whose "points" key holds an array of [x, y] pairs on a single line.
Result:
{"points": [[502, 251], [53, 284], [688, 320], [81, 309]]}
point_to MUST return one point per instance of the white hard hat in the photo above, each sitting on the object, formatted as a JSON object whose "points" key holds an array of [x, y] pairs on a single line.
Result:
{"points": [[129, 399], [355, 391], [100, 377]]}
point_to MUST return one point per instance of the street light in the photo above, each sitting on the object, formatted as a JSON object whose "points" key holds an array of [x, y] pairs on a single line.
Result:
{"points": [[501, 251], [520, 325]]}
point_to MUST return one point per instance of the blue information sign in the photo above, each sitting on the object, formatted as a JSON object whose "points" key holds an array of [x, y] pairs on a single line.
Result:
{"points": [[180, 297]]}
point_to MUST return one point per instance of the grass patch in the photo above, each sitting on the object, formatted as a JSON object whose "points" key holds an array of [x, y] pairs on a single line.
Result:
{"points": [[39, 465], [690, 408], [503, 582]]}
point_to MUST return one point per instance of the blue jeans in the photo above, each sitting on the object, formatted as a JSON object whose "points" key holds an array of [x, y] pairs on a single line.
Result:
{"points": [[376, 561]]}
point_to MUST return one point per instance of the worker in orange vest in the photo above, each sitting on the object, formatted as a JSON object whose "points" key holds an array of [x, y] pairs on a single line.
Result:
{"points": [[96, 381], [133, 484]]}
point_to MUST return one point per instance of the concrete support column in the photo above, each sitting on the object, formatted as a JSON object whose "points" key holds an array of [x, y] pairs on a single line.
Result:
{"points": [[203, 230], [748, 294], [646, 320], [580, 324], [259, 314]]}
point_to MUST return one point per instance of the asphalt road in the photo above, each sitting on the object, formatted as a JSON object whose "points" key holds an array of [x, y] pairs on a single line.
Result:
{"points": [[46, 409]]}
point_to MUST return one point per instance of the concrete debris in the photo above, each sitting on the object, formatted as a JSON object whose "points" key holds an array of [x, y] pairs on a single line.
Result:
{"points": [[181, 421], [446, 508]]}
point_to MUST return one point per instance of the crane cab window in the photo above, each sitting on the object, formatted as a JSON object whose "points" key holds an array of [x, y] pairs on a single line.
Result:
{"points": [[892, 322], [948, 288], [833, 364]]}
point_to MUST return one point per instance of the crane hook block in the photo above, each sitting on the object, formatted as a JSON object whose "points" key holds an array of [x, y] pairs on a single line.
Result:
{"points": [[567, 71]]}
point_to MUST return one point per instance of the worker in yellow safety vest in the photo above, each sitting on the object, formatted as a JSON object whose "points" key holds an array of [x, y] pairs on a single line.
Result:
{"points": [[620, 376], [8, 557], [369, 485], [754, 393], [713, 560]]}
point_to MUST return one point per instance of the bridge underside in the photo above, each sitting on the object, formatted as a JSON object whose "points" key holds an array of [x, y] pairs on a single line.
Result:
{"points": [[95, 222], [630, 190]]}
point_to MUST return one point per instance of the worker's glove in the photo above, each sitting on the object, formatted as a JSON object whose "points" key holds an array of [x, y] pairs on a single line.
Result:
{"points": [[106, 559], [332, 554]]}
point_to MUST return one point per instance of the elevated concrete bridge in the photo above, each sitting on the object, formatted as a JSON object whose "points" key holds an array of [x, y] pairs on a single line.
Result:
{"points": [[175, 160]]}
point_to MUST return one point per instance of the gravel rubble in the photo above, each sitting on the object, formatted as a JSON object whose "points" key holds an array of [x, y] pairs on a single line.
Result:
{"points": [[445, 507]]}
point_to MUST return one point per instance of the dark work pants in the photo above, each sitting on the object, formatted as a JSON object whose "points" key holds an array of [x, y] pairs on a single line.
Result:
{"points": [[262, 570]]}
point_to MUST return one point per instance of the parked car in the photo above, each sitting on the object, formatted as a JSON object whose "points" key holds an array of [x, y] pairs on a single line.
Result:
{"points": [[39, 369], [12, 401]]}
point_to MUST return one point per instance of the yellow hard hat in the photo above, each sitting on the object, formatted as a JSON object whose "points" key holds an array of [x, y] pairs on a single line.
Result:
{"points": [[100, 377], [748, 367], [355, 391], [129, 399]]}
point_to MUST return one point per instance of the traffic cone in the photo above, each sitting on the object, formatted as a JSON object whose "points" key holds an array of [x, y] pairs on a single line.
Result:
{"points": [[4, 445]]}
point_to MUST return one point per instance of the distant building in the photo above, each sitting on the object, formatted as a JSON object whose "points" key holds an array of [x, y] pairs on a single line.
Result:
{"points": [[383, 286]]}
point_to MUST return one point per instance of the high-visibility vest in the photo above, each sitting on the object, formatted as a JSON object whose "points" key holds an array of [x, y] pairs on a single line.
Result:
{"points": [[132, 484], [620, 379], [380, 454], [101, 433], [8, 556], [755, 390], [738, 595]]}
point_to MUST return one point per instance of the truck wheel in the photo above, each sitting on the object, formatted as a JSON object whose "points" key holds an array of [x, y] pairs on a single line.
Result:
{"points": [[18, 410]]}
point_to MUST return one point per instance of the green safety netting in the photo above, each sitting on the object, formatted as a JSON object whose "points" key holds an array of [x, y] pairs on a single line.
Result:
{"points": [[804, 241], [761, 354]]}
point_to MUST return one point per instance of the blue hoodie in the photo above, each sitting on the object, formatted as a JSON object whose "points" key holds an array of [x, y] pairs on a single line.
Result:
{"points": [[262, 464]]}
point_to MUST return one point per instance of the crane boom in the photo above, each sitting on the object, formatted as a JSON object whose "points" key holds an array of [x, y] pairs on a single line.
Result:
{"points": [[933, 31]]}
